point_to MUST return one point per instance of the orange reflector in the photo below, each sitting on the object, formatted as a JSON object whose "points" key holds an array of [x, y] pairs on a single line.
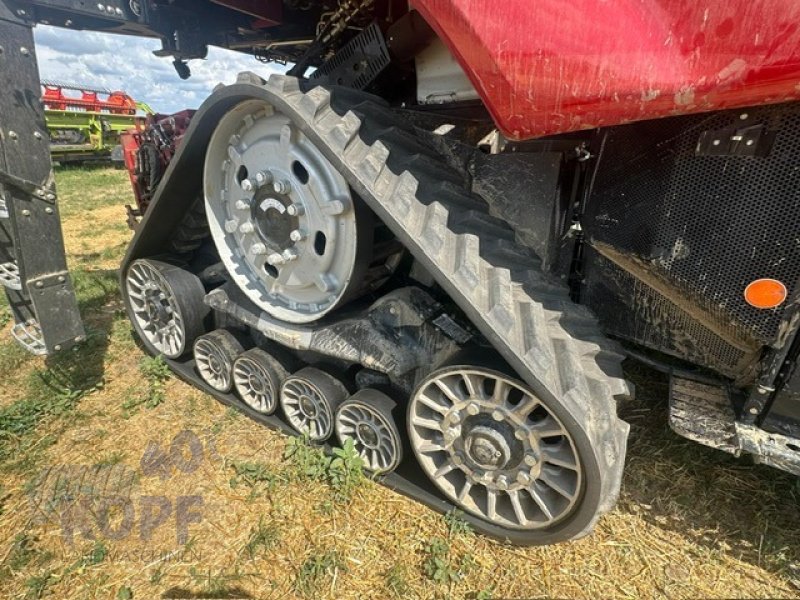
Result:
{"points": [[765, 293]]}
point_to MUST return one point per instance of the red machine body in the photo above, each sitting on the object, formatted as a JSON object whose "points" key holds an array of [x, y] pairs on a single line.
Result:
{"points": [[118, 103], [543, 67]]}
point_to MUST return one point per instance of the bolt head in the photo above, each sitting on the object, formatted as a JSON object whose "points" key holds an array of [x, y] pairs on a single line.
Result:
{"points": [[258, 249], [242, 204], [13, 135], [263, 178], [458, 459], [523, 478], [275, 259], [520, 434], [497, 415], [246, 228], [753, 410], [297, 235], [48, 210], [502, 482], [26, 213], [473, 409], [282, 187], [295, 210], [37, 135], [231, 225], [530, 459], [247, 185]]}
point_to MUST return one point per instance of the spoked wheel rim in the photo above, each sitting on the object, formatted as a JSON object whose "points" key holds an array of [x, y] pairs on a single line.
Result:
{"points": [[375, 437], [257, 381], [214, 355], [494, 448], [309, 400], [155, 309]]}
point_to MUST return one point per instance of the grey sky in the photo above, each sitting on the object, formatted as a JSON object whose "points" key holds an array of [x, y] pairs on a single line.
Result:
{"points": [[127, 63]]}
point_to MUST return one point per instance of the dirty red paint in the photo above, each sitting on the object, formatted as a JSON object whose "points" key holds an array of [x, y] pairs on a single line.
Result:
{"points": [[549, 66]]}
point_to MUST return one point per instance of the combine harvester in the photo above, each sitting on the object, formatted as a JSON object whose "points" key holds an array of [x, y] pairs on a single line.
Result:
{"points": [[443, 241], [87, 126]]}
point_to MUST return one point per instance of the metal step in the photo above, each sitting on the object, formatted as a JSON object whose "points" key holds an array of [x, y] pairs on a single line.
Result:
{"points": [[29, 335], [9, 276], [702, 413]]}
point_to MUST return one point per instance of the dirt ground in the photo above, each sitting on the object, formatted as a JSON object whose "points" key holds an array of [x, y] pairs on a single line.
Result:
{"points": [[202, 502]]}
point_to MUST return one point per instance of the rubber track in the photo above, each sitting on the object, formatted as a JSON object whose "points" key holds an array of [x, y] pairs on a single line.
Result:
{"points": [[556, 346]]}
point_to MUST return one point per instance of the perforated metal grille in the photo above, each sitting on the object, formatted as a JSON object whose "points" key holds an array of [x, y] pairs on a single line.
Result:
{"points": [[708, 225]]}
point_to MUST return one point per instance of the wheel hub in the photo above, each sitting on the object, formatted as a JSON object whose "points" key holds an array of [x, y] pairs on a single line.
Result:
{"points": [[367, 435], [273, 222], [488, 448], [308, 407]]}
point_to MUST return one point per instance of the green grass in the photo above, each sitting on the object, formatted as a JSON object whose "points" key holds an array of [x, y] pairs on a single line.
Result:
{"points": [[81, 189], [315, 571]]}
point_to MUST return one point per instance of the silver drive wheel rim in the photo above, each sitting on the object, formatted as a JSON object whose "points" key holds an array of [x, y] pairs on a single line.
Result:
{"points": [[155, 309], [375, 439], [306, 409], [282, 218], [212, 364], [255, 385], [492, 447]]}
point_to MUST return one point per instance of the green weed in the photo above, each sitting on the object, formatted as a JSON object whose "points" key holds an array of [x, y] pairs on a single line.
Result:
{"points": [[315, 570]]}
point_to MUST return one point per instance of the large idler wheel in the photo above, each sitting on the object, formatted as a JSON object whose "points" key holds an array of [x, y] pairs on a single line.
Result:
{"points": [[286, 225], [309, 400], [214, 354], [494, 448], [366, 418], [258, 377], [165, 303]]}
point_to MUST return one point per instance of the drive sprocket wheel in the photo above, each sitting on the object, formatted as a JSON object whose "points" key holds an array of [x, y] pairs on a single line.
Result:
{"points": [[494, 448], [286, 225], [165, 303]]}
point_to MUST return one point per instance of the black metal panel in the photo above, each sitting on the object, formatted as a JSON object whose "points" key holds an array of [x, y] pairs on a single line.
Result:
{"points": [[697, 226], [31, 235]]}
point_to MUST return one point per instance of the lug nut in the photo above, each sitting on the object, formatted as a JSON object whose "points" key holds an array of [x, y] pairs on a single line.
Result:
{"points": [[247, 185], [275, 259], [297, 235], [242, 204], [282, 187], [458, 459], [473, 409], [290, 254], [520, 434], [295, 210], [258, 249], [530, 459], [246, 227], [502, 482], [263, 178], [497, 415], [231, 225], [523, 478]]}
